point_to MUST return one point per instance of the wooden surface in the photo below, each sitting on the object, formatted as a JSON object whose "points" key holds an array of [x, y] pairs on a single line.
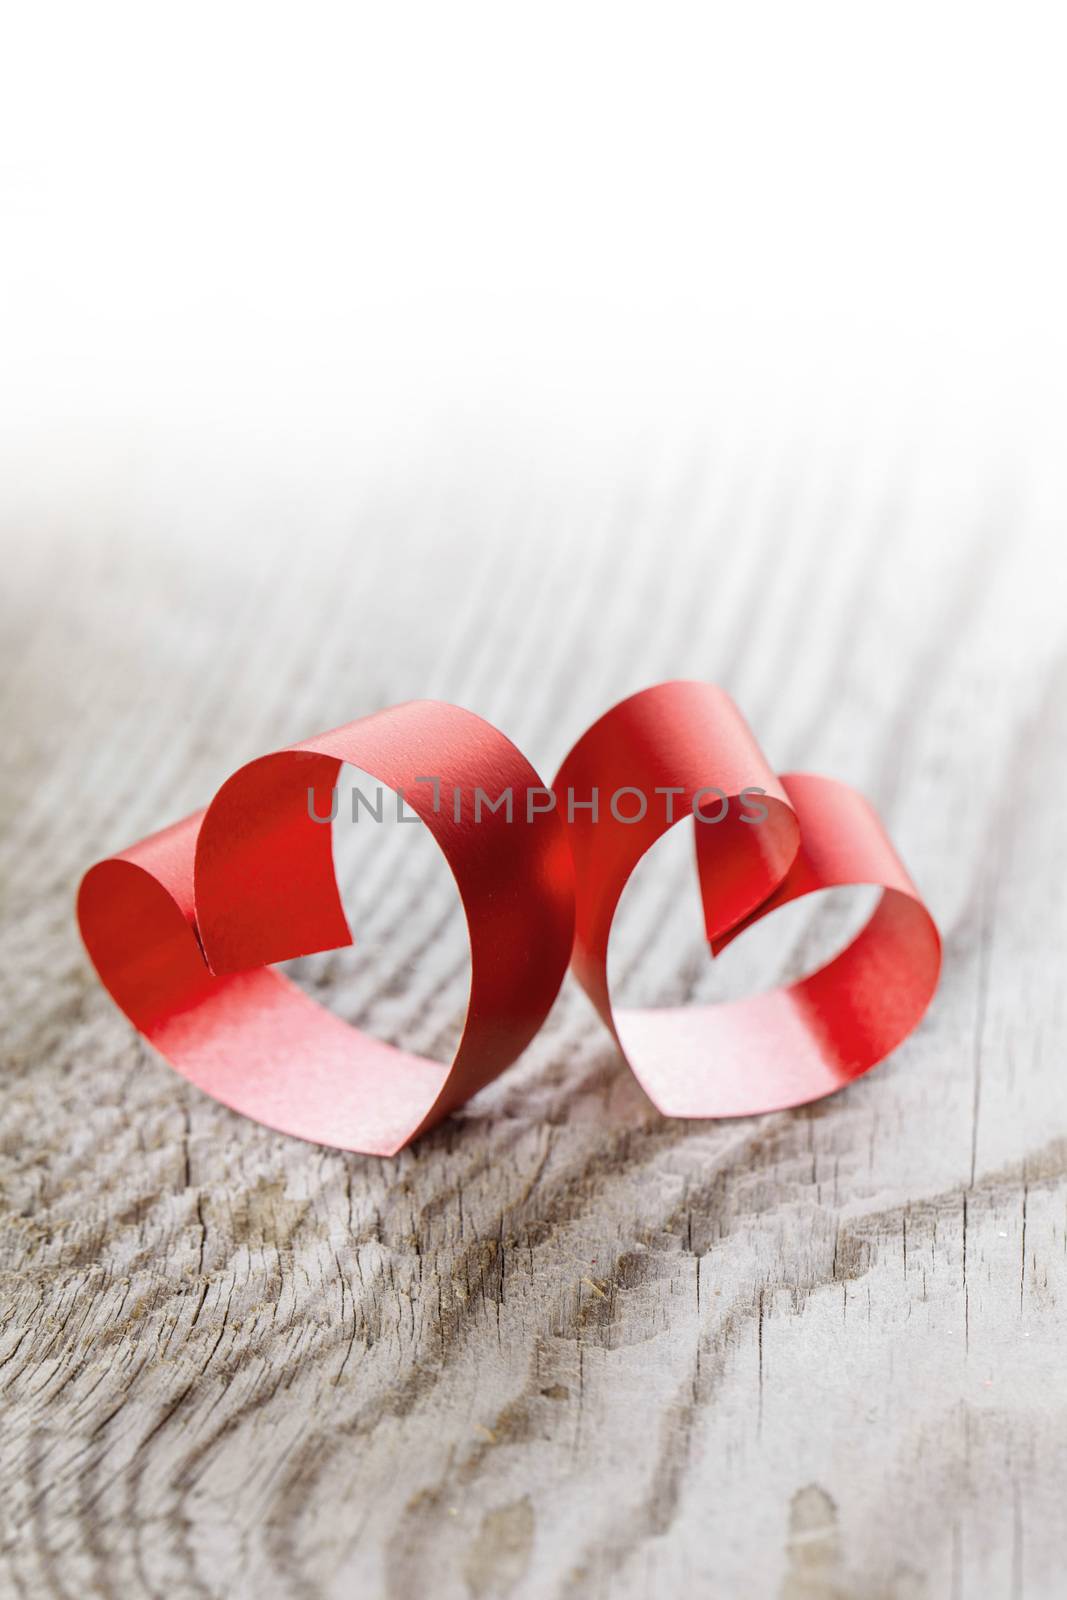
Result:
{"points": [[563, 1347]]}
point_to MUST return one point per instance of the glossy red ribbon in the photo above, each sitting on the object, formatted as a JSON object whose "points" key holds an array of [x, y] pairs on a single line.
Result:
{"points": [[788, 1046], [182, 927]]}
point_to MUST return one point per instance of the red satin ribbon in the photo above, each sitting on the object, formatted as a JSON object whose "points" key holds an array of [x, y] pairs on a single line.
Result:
{"points": [[182, 927]]}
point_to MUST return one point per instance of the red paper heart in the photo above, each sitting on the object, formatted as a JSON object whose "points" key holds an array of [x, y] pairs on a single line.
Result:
{"points": [[774, 1050], [251, 881]]}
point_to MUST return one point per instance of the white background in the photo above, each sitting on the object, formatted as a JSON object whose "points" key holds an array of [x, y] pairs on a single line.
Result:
{"points": [[251, 249]]}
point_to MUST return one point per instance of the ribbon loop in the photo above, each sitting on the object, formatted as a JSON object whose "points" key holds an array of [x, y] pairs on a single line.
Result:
{"points": [[794, 1044], [251, 881]]}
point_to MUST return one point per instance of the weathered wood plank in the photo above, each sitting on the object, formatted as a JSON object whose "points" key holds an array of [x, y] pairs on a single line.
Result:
{"points": [[563, 1346]]}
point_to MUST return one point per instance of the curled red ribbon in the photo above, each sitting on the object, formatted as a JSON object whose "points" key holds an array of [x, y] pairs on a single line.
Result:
{"points": [[182, 927], [791, 1045]]}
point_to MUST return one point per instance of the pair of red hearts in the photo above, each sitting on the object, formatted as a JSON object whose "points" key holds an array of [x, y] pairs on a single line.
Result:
{"points": [[183, 926]]}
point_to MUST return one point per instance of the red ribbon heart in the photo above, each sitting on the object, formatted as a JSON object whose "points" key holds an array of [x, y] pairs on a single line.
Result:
{"points": [[789, 1046], [182, 927]]}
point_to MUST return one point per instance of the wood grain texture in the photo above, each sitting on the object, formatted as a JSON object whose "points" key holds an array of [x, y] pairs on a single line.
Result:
{"points": [[562, 1347]]}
